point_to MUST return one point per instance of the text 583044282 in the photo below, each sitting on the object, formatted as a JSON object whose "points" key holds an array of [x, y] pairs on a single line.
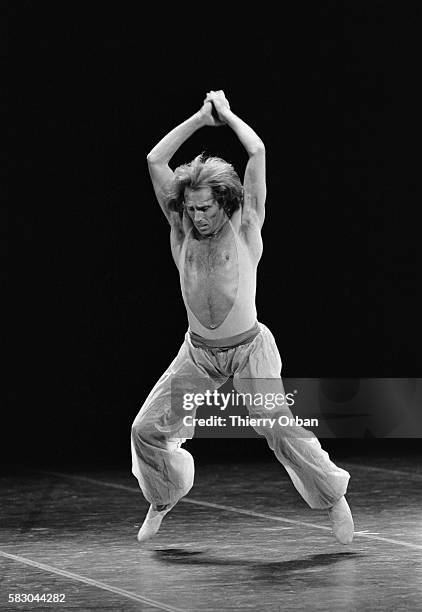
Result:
{"points": [[37, 598]]}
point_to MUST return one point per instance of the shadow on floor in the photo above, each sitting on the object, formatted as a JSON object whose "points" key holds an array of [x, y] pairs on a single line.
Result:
{"points": [[261, 570]]}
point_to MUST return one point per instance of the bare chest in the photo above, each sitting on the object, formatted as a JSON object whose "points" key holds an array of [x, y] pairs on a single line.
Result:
{"points": [[211, 278], [209, 259]]}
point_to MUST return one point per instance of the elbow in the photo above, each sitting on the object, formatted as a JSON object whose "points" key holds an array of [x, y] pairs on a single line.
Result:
{"points": [[154, 157], [151, 159], [257, 148]]}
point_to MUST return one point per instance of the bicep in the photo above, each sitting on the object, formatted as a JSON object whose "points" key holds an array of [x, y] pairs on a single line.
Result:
{"points": [[162, 177], [254, 185]]}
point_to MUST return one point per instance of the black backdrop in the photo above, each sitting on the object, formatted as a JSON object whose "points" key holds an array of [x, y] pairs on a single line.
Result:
{"points": [[97, 313]]}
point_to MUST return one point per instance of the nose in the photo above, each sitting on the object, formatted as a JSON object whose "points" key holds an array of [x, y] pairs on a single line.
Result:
{"points": [[198, 215]]}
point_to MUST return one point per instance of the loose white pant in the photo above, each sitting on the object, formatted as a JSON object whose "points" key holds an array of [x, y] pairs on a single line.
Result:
{"points": [[165, 471]]}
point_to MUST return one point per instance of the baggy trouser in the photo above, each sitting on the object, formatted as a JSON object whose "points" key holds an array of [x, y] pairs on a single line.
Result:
{"points": [[165, 471]]}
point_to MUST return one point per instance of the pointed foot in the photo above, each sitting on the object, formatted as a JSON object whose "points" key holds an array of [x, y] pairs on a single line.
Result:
{"points": [[342, 521], [152, 523]]}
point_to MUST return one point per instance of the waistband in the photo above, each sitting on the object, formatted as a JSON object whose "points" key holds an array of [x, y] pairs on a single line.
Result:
{"points": [[225, 343]]}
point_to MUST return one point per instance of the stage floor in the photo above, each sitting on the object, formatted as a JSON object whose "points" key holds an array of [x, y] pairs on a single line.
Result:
{"points": [[243, 539]]}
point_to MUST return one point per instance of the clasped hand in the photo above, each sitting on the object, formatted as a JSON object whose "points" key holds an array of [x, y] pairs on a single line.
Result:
{"points": [[221, 105]]}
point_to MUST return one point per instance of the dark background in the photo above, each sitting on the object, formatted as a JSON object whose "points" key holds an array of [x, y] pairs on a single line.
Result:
{"points": [[97, 314]]}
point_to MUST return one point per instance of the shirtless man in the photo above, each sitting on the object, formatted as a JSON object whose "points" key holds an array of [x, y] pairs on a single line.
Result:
{"points": [[215, 236]]}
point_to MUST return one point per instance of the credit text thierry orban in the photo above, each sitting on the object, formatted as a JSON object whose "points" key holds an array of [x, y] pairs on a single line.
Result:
{"points": [[266, 401]]}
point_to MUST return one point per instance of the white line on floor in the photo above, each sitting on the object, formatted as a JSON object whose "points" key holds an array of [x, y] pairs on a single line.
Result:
{"points": [[91, 582], [189, 500], [381, 469]]}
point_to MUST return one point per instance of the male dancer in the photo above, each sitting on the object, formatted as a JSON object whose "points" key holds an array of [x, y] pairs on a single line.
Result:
{"points": [[215, 236]]}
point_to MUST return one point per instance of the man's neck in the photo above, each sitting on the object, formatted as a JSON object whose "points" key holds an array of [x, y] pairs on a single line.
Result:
{"points": [[217, 233]]}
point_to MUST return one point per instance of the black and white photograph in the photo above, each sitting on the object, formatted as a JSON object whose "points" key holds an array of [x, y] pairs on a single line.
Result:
{"points": [[213, 272]]}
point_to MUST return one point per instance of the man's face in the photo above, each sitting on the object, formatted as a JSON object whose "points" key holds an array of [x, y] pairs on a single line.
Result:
{"points": [[204, 212]]}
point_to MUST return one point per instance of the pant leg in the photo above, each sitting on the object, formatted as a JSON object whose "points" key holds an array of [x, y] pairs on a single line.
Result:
{"points": [[164, 470], [318, 480]]}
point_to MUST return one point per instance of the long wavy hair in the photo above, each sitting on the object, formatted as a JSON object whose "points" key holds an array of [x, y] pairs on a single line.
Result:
{"points": [[211, 172]]}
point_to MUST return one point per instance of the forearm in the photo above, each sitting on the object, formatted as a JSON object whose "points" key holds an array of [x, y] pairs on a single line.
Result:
{"points": [[249, 139], [167, 147]]}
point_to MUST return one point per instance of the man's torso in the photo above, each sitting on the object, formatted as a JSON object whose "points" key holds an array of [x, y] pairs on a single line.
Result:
{"points": [[218, 278]]}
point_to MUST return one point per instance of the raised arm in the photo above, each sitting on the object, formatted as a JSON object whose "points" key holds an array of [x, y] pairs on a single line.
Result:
{"points": [[254, 181], [159, 157]]}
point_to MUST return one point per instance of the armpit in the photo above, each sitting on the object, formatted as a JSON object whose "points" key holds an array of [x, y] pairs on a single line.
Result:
{"points": [[176, 225], [250, 218]]}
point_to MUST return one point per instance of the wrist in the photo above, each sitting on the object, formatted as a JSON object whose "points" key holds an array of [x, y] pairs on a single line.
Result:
{"points": [[197, 120], [227, 114]]}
